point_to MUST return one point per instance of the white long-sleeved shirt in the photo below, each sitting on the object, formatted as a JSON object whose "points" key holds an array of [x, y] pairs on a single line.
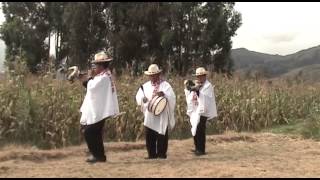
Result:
{"points": [[100, 101], [166, 118], [205, 105]]}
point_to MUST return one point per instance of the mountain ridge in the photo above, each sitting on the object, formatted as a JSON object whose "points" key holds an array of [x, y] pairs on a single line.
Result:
{"points": [[275, 65]]}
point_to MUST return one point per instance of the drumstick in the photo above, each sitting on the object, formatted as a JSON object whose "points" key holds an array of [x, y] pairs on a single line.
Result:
{"points": [[143, 90]]}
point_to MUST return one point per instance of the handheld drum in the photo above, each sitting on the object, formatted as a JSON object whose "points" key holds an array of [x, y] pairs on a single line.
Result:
{"points": [[157, 105]]}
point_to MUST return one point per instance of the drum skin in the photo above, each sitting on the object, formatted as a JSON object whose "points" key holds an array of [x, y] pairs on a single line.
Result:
{"points": [[157, 105]]}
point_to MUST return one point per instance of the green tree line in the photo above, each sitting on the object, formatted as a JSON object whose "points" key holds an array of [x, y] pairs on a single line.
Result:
{"points": [[176, 35]]}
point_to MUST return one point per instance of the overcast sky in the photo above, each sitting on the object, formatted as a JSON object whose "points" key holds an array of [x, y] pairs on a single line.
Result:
{"points": [[278, 27]]}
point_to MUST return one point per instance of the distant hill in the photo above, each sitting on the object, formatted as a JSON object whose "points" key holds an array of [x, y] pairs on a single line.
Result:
{"points": [[304, 63], [309, 73], [246, 59]]}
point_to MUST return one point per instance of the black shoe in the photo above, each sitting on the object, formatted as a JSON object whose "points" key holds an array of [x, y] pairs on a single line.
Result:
{"points": [[150, 157], [162, 156], [94, 160], [199, 153]]}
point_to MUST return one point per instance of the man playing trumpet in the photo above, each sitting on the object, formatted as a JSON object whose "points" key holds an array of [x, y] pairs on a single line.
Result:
{"points": [[156, 126], [99, 103], [201, 106]]}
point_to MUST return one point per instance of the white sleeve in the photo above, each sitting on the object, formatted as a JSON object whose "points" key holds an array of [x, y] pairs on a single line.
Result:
{"points": [[190, 107], [207, 104], [170, 95], [139, 96], [186, 93], [96, 83]]}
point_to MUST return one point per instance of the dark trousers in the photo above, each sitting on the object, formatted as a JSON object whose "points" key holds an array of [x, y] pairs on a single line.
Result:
{"points": [[93, 135], [200, 137], [157, 144]]}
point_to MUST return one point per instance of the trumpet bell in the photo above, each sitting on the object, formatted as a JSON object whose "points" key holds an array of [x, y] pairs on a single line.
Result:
{"points": [[189, 84], [192, 84], [73, 72]]}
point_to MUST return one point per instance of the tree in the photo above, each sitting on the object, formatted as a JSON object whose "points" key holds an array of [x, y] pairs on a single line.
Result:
{"points": [[85, 30], [177, 36], [222, 23], [24, 31]]}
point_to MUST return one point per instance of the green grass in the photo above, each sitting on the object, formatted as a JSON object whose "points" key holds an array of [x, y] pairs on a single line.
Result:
{"points": [[306, 128], [292, 128]]}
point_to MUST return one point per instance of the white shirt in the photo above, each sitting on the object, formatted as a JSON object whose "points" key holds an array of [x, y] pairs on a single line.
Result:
{"points": [[166, 118], [100, 101], [205, 105]]}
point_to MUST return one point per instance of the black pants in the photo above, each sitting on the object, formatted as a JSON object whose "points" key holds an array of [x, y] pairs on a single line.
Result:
{"points": [[93, 135], [157, 144], [200, 137]]}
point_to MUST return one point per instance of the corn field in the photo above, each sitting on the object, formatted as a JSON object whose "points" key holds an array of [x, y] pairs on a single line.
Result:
{"points": [[45, 112]]}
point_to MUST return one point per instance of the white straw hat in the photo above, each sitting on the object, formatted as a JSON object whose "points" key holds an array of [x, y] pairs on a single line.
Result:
{"points": [[200, 71], [101, 57], [153, 69]]}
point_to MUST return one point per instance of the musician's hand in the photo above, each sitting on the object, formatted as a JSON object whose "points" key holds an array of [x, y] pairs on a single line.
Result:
{"points": [[160, 93], [82, 128], [144, 100], [195, 88], [83, 78]]}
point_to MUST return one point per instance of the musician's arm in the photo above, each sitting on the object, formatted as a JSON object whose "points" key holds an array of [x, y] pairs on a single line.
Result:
{"points": [[85, 83], [166, 92]]}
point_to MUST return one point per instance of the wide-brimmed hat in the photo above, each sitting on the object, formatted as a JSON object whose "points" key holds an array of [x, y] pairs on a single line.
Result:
{"points": [[153, 69], [101, 57], [200, 71]]}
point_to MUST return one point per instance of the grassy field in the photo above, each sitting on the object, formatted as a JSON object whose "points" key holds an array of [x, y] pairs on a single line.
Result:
{"points": [[44, 112]]}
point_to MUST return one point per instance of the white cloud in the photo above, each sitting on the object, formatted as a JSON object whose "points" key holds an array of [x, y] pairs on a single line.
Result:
{"points": [[280, 37], [278, 27]]}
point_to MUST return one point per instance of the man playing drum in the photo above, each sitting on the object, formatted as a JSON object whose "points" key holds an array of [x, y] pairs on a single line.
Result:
{"points": [[201, 106], [149, 97], [99, 103]]}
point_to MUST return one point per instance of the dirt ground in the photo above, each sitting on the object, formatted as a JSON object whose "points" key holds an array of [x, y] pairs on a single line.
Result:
{"points": [[228, 155]]}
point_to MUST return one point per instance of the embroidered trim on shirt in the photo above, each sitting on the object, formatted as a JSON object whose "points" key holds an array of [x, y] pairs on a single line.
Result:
{"points": [[195, 98], [156, 87], [109, 74]]}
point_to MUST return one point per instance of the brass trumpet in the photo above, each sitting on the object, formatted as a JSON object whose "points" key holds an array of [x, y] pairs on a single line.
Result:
{"points": [[74, 73], [192, 85]]}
